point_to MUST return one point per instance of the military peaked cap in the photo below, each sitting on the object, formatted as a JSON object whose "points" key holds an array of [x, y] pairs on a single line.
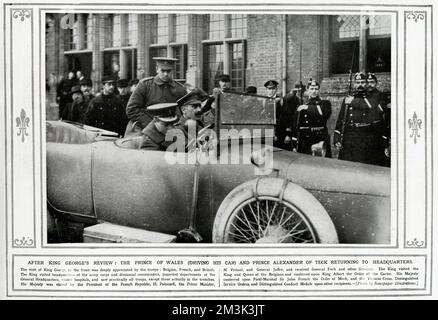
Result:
{"points": [[122, 83], [196, 96], [271, 83], [108, 79], [165, 63], [165, 112], [75, 89]]}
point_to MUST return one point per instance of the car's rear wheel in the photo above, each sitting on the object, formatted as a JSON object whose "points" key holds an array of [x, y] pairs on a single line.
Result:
{"points": [[272, 210]]}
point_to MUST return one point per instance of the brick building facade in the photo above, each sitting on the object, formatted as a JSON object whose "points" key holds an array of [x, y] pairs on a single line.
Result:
{"points": [[251, 48]]}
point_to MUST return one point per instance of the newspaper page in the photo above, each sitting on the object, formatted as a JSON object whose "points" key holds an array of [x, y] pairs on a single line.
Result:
{"points": [[199, 150]]}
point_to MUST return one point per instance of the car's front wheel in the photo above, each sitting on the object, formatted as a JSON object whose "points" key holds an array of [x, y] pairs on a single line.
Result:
{"points": [[272, 210]]}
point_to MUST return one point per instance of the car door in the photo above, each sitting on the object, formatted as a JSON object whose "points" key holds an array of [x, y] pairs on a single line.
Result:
{"points": [[141, 189]]}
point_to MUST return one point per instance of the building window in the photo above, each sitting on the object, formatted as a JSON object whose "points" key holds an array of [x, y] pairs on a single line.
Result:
{"points": [[113, 31], [162, 31], [129, 70], [379, 44], [224, 50], [347, 43], [180, 28], [238, 25], [73, 35], [379, 26], [237, 67], [132, 30], [213, 65], [80, 36], [180, 53], [111, 64], [216, 26]]}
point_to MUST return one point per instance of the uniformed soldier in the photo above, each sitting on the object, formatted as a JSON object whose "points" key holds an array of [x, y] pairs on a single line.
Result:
{"points": [[106, 110], [153, 90], [311, 124], [285, 113], [360, 126], [154, 135], [191, 110], [86, 88], [79, 106], [372, 89], [124, 91], [133, 84], [386, 106]]}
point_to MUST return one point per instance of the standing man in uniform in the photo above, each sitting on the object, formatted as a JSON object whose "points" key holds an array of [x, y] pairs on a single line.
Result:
{"points": [[133, 84], [360, 126], [153, 90], [285, 113], [271, 87], [386, 106], [311, 124], [106, 110]]}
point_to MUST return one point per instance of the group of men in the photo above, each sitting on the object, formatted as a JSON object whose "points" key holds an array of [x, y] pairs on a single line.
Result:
{"points": [[106, 110], [362, 132], [151, 106]]}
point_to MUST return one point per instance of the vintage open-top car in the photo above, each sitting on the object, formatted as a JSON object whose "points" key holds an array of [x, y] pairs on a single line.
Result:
{"points": [[93, 179]]}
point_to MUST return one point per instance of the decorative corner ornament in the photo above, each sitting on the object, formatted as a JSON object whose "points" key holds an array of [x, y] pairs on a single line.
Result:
{"points": [[415, 16], [24, 242], [21, 14], [415, 126], [22, 124], [415, 243]]}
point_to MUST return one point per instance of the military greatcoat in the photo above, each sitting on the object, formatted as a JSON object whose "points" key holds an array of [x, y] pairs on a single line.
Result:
{"points": [[363, 126], [311, 126], [150, 91], [106, 112]]}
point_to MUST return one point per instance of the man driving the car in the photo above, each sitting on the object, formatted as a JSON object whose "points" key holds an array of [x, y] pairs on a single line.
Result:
{"points": [[154, 135]]}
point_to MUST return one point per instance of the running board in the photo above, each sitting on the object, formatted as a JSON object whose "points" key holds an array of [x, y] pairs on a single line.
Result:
{"points": [[113, 233]]}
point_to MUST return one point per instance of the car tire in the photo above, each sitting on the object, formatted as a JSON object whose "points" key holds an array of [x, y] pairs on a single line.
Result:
{"points": [[295, 216]]}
